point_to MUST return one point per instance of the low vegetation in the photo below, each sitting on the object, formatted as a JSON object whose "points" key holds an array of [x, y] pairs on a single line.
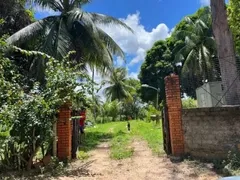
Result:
{"points": [[120, 139], [189, 103]]}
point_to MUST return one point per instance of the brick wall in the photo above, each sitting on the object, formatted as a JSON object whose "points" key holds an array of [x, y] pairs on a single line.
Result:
{"points": [[64, 133], [210, 133], [173, 100]]}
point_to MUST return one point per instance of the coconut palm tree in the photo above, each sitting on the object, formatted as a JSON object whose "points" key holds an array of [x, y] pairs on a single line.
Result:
{"points": [[117, 88], [198, 52], [111, 109], [73, 29]]}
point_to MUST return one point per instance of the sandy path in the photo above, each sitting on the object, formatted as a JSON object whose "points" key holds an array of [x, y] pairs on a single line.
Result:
{"points": [[142, 165]]}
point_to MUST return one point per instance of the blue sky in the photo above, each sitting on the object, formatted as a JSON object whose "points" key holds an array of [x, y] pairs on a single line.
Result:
{"points": [[152, 12], [151, 20]]}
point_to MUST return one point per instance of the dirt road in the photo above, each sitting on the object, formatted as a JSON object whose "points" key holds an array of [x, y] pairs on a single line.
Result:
{"points": [[142, 165]]}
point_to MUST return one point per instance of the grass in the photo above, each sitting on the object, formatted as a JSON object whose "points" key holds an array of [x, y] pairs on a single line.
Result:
{"points": [[120, 139], [82, 155], [151, 133], [120, 146]]}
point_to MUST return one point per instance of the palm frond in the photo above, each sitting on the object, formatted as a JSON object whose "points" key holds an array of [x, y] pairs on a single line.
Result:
{"points": [[201, 23], [179, 57], [56, 5], [82, 2], [182, 34], [63, 42], [31, 31], [189, 42], [92, 48], [117, 88], [207, 58], [210, 42], [111, 45], [50, 38], [189, 20], [82, 17], [187, 66], [106, 20]]}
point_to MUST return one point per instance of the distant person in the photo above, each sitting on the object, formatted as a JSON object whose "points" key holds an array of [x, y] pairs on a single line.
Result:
{"points": [[128, 124]]}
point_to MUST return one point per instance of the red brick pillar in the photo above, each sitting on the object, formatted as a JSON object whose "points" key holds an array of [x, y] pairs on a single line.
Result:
{"points": [[173, 100], [64, 132]]}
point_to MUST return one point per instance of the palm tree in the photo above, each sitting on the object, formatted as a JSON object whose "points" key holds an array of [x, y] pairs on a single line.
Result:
{"points": [[226, 52], [72, 30], [117, 88], [197, 54], [111, 109]]}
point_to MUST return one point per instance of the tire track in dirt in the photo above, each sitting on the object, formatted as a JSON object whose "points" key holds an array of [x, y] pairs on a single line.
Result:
{"points": [[143, 165]]}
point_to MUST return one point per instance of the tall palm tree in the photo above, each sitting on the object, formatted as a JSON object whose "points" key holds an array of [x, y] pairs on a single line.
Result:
{"points": [[72, 29], [117, 88], [226, 52], [198, 52]]}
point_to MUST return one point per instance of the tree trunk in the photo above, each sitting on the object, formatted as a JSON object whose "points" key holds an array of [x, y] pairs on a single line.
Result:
{"points": [[226, 52], [55, 138], [94, 107]]}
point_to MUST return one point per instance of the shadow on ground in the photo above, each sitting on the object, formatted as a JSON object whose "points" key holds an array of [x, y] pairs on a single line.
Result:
{"points": [[92, 139], [80, 171]]}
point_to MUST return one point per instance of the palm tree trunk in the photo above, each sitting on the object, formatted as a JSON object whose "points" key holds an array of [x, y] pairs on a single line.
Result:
{"points": [[94, 107], [226, 52]]}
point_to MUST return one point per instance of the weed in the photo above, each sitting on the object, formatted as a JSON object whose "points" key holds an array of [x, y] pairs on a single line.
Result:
{"points": [[82, 155], [120, 146], [232, 164]]}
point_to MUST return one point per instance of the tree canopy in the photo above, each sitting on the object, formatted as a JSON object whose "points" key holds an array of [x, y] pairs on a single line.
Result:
{"points": [[15, 16], [234, 22], [73, 30], [190, 52], [157, 65]]}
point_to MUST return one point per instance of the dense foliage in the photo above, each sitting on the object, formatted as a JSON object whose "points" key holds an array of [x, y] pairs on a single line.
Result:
{"points": [[156, 67], [72, 30], [189, 52], [27, 118], [234, 21], [15, 16]]}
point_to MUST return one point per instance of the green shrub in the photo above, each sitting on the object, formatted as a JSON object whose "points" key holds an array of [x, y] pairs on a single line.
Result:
{"points": [[27, 116], [189, 103], [151, 111], [233, 160], [82, 155]]}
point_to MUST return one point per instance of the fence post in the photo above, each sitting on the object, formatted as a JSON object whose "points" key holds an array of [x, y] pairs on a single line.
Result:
{"points": [[174, 105], [64, 132]]}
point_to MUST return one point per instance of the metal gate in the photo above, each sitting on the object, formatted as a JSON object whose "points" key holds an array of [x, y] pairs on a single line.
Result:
{"points": [[166, 131], [75, 133]]}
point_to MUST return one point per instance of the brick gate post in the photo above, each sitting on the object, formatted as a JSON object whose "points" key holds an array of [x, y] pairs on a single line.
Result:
{"points": [[173, 100], [64, 132]]}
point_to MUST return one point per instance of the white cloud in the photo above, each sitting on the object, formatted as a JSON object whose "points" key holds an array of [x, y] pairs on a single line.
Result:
{"points": [[133, 75], [205, 2], [98, 78], [119, 61], [45, 11], [141, 53], [138, 43]]}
